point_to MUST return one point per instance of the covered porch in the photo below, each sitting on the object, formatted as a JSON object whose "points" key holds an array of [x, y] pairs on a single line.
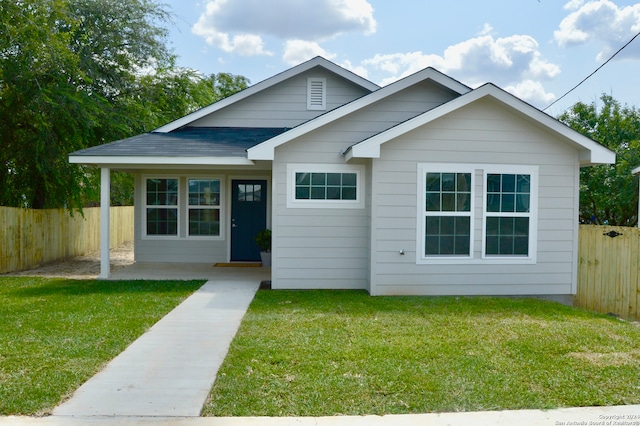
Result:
{"points": [[191, 271]]}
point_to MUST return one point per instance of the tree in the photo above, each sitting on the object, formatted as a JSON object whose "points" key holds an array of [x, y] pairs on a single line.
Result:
{"points": [[609, 193], [78, 73]]}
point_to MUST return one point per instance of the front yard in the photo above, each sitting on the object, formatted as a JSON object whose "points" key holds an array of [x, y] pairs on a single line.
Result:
{"points": [[313, 353], [322, 353], [56, 333]]}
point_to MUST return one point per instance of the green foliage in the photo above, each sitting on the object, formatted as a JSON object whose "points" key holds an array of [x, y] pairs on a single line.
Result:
{"points": [[263, 240], [326, 353], [56, 333], [79, 73], [609, 193]]}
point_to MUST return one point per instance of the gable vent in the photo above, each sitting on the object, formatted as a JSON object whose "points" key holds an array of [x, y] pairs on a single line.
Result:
{"points": [[316, 94]]}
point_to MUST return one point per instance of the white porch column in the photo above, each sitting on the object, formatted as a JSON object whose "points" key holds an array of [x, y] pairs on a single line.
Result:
{"points": [[105, 219]]}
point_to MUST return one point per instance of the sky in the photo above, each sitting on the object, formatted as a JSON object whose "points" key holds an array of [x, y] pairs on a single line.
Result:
{"points": [[536, 49]]}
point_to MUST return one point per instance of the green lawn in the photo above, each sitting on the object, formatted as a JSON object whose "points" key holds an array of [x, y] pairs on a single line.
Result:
{"points": [[56, 333], [314, 353]]}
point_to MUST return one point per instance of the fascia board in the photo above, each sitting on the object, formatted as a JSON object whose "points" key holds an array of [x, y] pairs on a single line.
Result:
{"points": [[265, 84], [266, 150], [158, 161], [593, 152]]}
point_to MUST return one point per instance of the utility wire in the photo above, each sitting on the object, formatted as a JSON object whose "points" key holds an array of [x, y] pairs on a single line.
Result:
{"points": [[597, 69]]}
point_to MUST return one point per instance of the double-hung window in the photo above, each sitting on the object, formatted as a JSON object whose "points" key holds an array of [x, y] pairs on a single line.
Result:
{"points": [[162, 206], [509, 204], [204, 207], [447, 213], [506, 229]]}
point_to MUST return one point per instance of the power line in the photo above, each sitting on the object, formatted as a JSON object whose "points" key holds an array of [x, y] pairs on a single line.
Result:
{"points": [[597, 69]]}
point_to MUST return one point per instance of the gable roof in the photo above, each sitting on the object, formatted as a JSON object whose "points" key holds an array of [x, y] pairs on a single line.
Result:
{"points": [[265, 84], [266, 150], [186, 146], [591, 152]]}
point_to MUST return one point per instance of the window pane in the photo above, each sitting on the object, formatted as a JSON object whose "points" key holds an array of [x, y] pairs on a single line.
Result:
{"points": [[464, 182], [303, 193], [318, 193], [493, 183], [204, 222], [449, 202], [162, 192], [162, 221], [349, 193], [508, 203], [303, 179], [433, 202], [334, 179], [447, 236], [524, 184], [333, 193], [508, 183], [349, 179], [433, 182], [448, 181], [464, 202], [522, 203], [493, 202], [507, 236], [204, 192], [326, 186], [318, 178]]}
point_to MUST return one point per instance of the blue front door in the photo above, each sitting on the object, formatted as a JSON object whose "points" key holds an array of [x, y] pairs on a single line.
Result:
{"points": [[248, 217]]}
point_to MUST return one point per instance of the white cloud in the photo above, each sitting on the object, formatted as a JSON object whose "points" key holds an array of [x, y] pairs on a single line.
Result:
{"points": [[298, 51], [531, 91], [574, 4], [601, 21], [240, 25], [503, 61]]}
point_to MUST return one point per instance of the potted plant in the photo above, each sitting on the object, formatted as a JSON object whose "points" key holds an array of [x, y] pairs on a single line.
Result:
{"points": [[263, 240]]}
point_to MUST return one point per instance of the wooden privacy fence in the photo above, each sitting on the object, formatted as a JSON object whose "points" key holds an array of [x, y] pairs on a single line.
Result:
{"points": [[29, 238], [608, 270]]}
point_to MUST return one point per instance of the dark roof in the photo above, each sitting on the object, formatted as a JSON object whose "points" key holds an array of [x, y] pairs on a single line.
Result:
{"points": [[187, 142]]}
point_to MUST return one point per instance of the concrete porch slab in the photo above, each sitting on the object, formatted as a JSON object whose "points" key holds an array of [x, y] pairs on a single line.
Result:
{"points": [[188, 271]]}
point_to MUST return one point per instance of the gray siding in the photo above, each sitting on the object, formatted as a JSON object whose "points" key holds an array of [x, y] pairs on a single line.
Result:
{"points": [[284, 104], [330, 248], [480, 133]]}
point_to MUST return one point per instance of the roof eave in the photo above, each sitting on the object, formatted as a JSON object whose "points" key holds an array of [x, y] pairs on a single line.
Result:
{"points": [[149, 161], [591, 152]]}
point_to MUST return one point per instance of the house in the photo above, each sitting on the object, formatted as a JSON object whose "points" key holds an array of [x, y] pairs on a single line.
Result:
{"points": [[421, 187]]}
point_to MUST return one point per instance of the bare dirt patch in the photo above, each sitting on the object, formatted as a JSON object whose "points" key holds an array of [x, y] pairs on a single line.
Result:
{"points": [[82, 267]]}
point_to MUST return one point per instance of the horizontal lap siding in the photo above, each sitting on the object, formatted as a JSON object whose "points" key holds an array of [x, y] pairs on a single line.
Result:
{"points": [[283, 105], [330, 248], [478, 134]]}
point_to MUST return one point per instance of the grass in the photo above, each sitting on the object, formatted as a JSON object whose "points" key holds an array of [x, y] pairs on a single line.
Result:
{"points": [[320, 353], [56, 333]]}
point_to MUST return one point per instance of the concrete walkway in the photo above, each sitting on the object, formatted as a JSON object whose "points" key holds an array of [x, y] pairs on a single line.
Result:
{"points": [[169, 371]]}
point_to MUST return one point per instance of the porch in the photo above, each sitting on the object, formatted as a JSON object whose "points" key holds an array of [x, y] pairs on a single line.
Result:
{"points": [[191, 271]]}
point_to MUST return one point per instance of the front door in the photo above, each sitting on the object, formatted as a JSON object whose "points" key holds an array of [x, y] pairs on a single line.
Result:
{"points": [[248, 217]]}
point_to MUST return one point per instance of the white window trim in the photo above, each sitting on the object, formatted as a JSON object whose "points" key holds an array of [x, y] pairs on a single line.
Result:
{"points": [[532, 215], [183, 207], [294, 203], [476, 210], [312, 106], [218, 207], [423, 169], [145, 235]]}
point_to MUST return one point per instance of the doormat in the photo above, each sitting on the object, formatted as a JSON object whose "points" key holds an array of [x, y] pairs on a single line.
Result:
{"points": [[238, 265]]}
